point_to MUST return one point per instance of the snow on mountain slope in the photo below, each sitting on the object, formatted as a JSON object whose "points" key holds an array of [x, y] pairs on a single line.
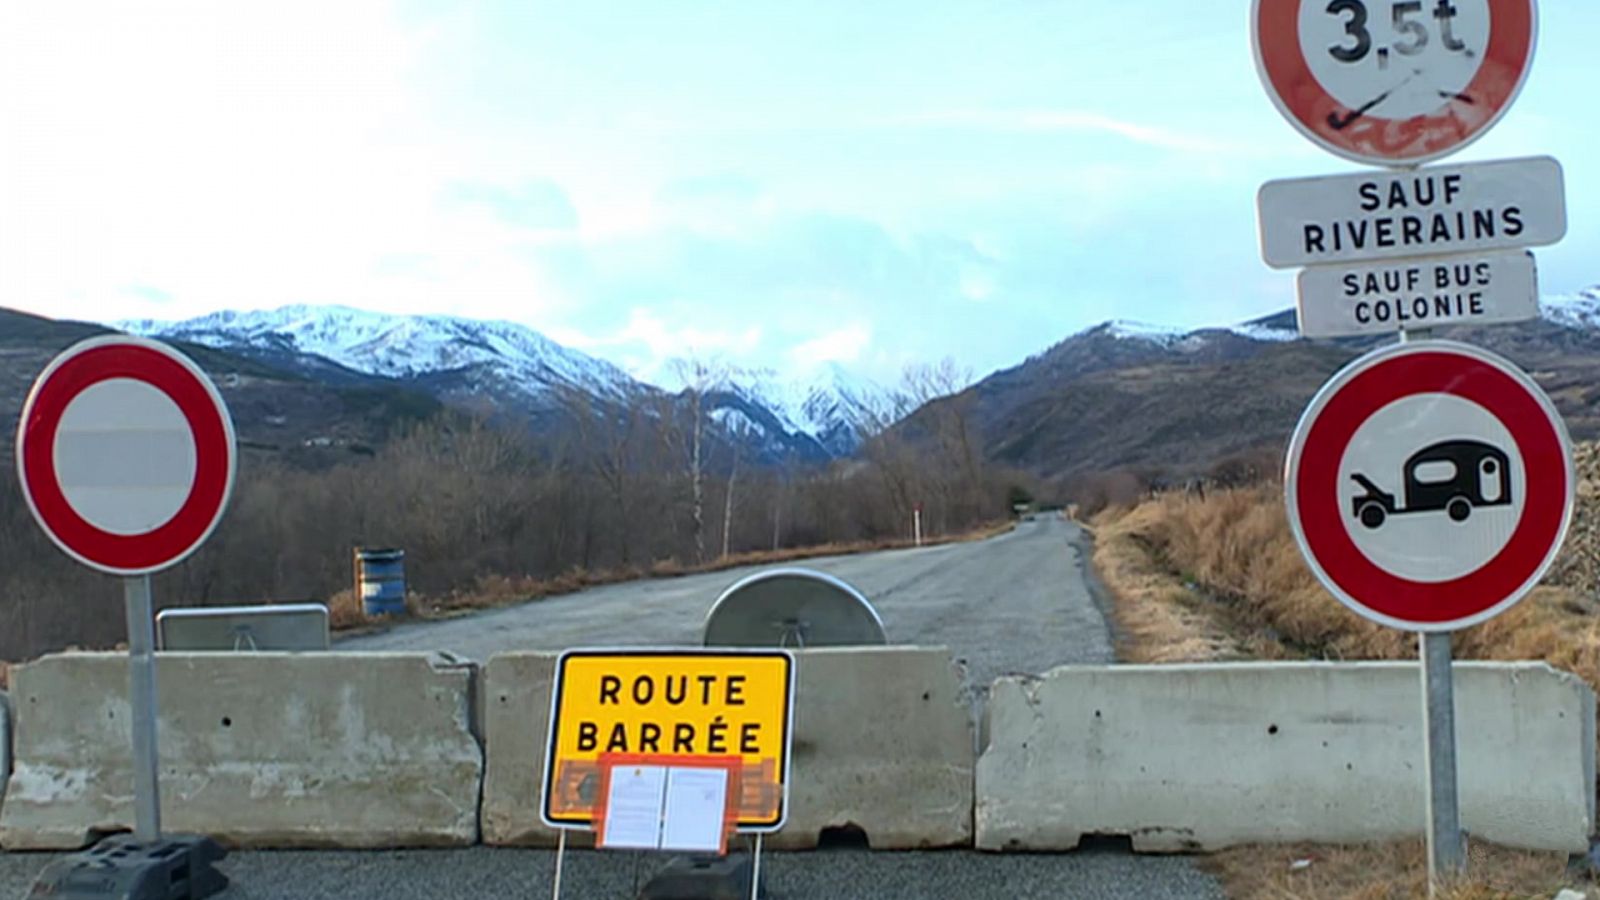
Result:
{"points": [[827, 402], [463, 358], [397, 346], [1580, 310]]}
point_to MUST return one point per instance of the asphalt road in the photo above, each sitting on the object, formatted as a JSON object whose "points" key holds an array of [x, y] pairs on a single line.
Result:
{"points": [[1016, 603], [1020, 602]]}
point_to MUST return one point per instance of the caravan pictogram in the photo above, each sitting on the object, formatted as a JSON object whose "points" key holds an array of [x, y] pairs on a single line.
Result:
{"points": [[1453, 477]]}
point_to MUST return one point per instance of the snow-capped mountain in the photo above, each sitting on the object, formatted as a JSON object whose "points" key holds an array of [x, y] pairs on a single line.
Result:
{"points": [[828, 402], [468, 361], [1580, 310], [501, 357], [1178, 338]]}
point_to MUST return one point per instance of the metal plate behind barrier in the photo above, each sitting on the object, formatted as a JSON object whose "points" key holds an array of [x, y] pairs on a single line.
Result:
{"points": [[287, 626], [177, 867], [792, 608]]}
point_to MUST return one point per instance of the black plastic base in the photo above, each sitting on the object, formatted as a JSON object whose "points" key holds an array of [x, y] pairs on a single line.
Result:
{"points": [[702, 878], [176, 867]]}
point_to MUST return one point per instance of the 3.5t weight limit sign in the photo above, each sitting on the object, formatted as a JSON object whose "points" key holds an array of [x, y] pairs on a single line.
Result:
{"points": [[1393, 81], [1429, 485]]}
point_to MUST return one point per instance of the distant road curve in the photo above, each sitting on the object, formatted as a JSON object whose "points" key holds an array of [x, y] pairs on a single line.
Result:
{"points": [[1019, 602]]}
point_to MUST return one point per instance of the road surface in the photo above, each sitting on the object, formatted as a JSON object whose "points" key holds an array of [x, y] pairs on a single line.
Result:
{"points": [[1015, 603], [1020, 602]]}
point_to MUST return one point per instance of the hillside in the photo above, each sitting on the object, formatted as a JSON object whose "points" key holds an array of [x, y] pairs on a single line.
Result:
{"points": [[300, 418], [509, 372], [1122, 395]]}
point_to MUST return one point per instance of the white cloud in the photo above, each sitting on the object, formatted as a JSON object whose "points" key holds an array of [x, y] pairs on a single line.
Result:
{"points": [[171, 158], [841, 345], [647, 344], [1048, 120]]}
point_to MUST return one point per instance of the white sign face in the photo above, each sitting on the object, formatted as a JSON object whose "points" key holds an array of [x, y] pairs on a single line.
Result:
{"points": [[1372, 57], [1382, 298], [124, 456], [1433, 485], [1393, 82], [1435, 211]]}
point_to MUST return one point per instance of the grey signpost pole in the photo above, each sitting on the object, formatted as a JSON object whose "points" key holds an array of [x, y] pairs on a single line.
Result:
{"points": [[1446, 851], [1446, 859], [142, 697]]}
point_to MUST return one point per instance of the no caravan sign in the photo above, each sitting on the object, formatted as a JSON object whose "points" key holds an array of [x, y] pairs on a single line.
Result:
{"points": [[624, 705]]}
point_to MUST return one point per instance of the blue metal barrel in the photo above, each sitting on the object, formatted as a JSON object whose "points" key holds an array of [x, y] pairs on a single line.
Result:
{"points": [[381, 581]]}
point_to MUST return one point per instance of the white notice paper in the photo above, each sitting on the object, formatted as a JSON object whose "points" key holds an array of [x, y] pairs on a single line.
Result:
{"points": [[697, 800], [633, 808]]}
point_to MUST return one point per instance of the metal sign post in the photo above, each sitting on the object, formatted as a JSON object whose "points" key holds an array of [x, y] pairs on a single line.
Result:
{"points": [[142, 697], [1447, 857], [1429, 486], [1446, 850], [126, 455], [1409, 481]]}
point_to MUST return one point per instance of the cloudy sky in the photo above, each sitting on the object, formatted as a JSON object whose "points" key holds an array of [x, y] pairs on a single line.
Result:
{"points": [[778, 184]]}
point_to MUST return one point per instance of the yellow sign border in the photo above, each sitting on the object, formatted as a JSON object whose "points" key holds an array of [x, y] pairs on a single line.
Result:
{"points": [[586, 824]]}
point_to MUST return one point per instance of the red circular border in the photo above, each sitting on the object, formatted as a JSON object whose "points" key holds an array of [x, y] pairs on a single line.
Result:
{"points": [[1320, 515], [178, 536], [1374, 139]]}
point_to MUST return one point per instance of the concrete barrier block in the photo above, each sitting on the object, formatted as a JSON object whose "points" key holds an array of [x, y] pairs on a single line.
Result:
{"points": [[883, 742], [1199, 757], [257, 749], [5, 745], [516, 725]]}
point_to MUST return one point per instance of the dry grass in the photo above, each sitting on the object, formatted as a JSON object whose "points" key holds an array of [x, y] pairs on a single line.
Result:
{"points": [[1160, 620], [1235, 545], [1396, 871], [1221, 578]]}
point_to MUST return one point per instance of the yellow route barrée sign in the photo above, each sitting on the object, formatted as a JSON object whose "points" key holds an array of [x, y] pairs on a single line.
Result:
{"points": [[612, 706]]}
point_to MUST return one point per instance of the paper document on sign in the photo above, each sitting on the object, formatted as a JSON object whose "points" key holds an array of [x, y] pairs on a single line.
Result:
{"points": [[633, 808], [696, 809]]}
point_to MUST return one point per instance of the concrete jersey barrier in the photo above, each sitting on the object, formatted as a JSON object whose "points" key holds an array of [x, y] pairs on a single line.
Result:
{"points": [[5, 745], [257, 749], [882, 742], [1199, 757]]}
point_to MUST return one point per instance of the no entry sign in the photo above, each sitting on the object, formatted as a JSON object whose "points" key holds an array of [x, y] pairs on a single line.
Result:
{"points": [[1393, 81], [1430, 485], [125, 452]]}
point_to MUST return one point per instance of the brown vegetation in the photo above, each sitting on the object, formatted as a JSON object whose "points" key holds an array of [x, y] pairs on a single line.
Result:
{"points": [[1234, 551], [1215, 575], [489, 514], [1383, 872], [345, 611]]}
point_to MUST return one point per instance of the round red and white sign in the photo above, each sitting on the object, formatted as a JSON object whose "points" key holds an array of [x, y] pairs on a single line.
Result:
{"points": [[1393, 82], [125, 452], [1430, 485]]}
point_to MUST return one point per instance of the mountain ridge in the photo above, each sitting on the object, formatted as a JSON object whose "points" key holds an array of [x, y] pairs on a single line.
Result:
{"points": [[495, 365]]}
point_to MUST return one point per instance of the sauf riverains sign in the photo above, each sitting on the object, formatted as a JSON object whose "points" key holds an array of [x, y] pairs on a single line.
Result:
{"points": [[624, 705], [1391, 250]]}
